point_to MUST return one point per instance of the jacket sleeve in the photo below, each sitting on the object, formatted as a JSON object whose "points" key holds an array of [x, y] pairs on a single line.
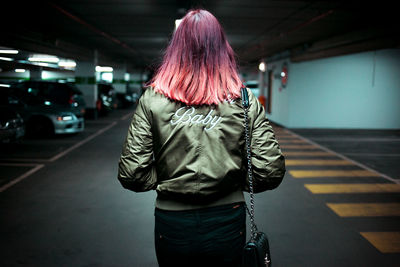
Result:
{"points": [[136, 170], [268, 162]]}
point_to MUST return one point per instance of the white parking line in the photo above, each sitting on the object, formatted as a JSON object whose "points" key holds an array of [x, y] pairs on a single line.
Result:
{"points": [[21, 177], [39, 166], [126, 116], [59, 155]]}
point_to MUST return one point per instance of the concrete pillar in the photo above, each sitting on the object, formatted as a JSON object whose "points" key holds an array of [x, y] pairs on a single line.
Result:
{"points": [[85, 79], [135, 82], [119, 81], [35, 73], [261, 84]]}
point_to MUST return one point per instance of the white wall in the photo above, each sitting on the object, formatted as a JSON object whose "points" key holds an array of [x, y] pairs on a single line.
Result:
{"points": [[279, 94], [354, 91]]}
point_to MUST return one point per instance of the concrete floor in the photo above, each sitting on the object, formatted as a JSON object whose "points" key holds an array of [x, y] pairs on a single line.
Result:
{"points": [[376, 149], [61, 205]]}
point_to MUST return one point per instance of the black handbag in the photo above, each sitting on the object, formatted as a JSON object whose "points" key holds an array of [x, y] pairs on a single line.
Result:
{"points": [[256, 252]]}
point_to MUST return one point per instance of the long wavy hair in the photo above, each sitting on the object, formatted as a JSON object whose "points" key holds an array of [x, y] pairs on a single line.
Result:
{"points": [[199, 65]]}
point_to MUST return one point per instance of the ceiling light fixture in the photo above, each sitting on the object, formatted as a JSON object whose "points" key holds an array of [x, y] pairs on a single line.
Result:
{"points": [[44, 58], [6, 59], [177, 23], [262, 67], [67, 64], [8, 51], [20, 70], [42, 64], [104, 69]]}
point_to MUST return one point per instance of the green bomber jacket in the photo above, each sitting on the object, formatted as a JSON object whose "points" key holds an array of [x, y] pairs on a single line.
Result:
{"points": [[196, 154]]}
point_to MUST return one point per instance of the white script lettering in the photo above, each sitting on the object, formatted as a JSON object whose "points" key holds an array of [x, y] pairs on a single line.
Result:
{"points": [[186, 116]]}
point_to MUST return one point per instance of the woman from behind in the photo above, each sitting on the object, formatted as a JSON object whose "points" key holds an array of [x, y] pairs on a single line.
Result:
{"points": [[186, 141]]}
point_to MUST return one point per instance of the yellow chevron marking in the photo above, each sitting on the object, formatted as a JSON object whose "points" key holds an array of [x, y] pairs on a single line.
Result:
{"points": [[307, 153], [385, 242], [297, 146], [326, 162], [352, 188], [280, 133], [332, 173], [365, 209], [290, 141], [285, 137]]}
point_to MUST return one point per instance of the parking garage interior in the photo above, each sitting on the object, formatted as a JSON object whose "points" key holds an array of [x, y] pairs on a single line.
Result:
{"points": [[326, 72]]}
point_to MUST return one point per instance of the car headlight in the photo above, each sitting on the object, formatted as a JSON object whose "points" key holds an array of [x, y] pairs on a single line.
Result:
{"points": [[64, 118]]}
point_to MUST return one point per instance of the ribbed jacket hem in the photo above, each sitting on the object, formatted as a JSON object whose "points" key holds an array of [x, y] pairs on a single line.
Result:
{"points": [[169, 204]]}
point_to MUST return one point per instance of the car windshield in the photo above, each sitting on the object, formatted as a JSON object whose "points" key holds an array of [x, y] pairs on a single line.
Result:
{"points": [[58, 93]]}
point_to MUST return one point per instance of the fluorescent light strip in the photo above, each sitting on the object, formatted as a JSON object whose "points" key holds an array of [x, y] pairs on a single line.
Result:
{"points": [[104, 69], [67, 64], [6, 59], [44, 59], [8, 51]]}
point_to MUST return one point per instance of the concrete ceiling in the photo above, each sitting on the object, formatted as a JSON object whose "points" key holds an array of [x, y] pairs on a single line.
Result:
{"points": [[135, 32]]}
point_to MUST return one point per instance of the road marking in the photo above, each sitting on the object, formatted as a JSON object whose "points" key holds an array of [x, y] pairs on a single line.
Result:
{"points": [[39, 166], [352, 188], [346, 158], [307, 153], [54, 158], [23, 176], [284, 136], [372, 154], [358, 139], [127, 116], [87, 139], [365, 209], [385, 242], [297, 146], [331, 173], [319, 162], [291, 141]]}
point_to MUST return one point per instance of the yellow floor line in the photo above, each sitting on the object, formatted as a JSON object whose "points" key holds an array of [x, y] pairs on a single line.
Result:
{"points": [[297, 146], [308, 153], [280, 133], [385, 242], [291, 141], [365, 209], [331, 173], [320, 162], [352, 188], [279, 137]]}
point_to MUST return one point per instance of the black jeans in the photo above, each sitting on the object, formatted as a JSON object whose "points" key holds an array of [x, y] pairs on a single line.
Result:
{"points": [[204, 237]]}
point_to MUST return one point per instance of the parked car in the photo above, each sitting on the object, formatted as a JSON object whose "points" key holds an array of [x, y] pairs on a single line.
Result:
{"points": [[48, 107], [12, 128], [127, 99], [107, 98]]}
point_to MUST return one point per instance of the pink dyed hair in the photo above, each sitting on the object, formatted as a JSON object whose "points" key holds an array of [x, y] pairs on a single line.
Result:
{"points": [[199, 65]]}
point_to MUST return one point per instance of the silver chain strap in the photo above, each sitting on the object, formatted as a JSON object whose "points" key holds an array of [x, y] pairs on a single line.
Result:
{"points": [[253, 226]]}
